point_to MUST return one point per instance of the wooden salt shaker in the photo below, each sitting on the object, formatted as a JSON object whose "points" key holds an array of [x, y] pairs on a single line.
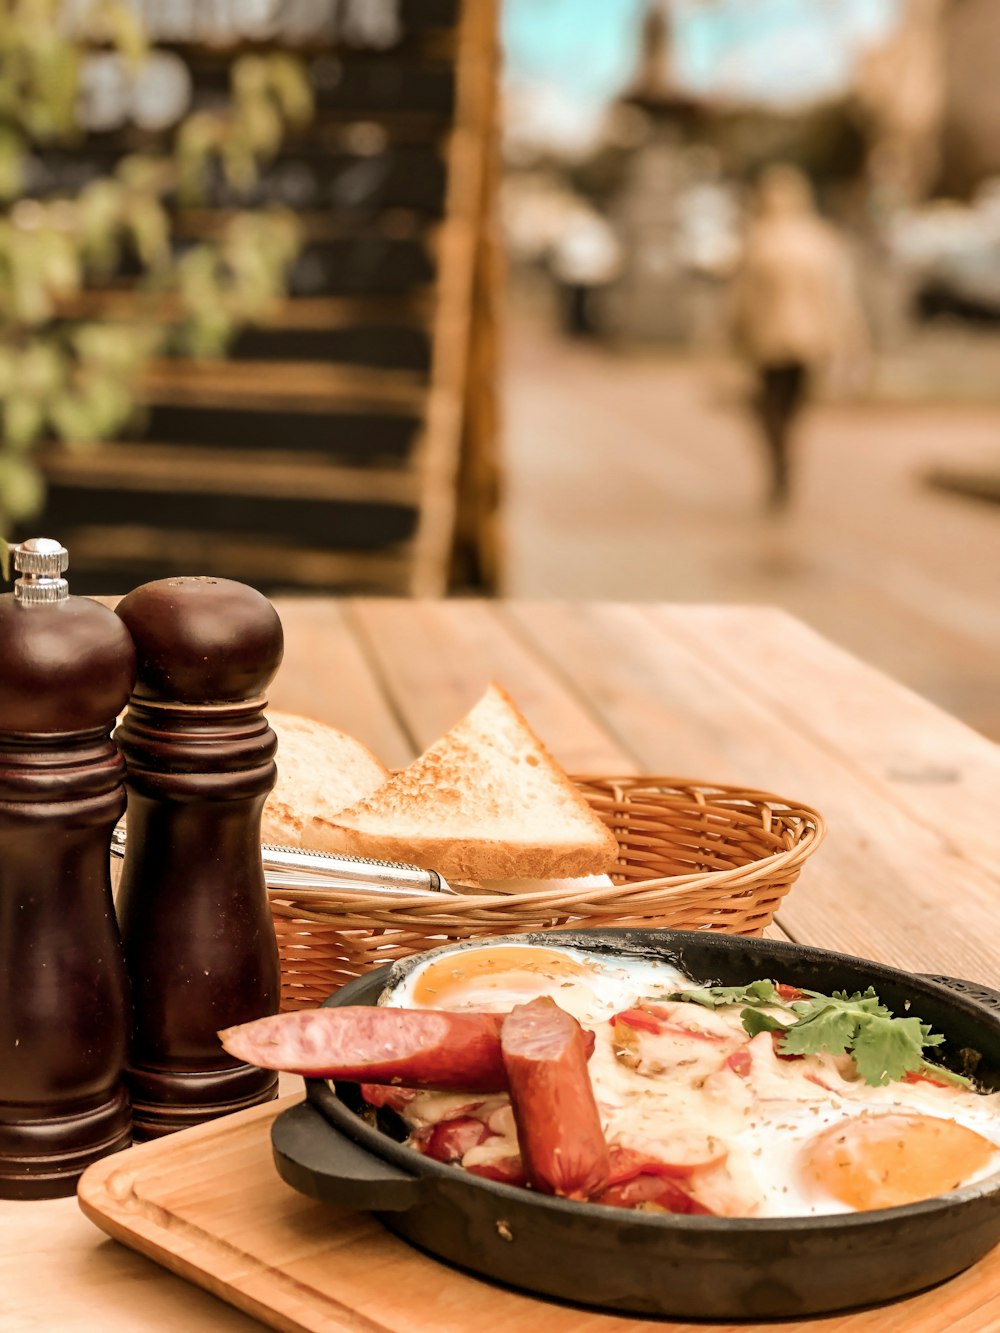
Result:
{"points": [[66, 669], [193, 909]]}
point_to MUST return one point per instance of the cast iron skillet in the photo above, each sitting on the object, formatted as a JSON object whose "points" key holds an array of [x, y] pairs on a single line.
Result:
{"points": [[718, 1268]]}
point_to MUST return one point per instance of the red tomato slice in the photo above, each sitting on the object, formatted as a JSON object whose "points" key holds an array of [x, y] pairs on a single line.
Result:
{"points": [[626, 1164], [507, 1170], [683, 1158], [652, 1189], [659, 1021], [384, 1094], [638, 1019], [449, 1140], [740, 1062], [787, 992]]}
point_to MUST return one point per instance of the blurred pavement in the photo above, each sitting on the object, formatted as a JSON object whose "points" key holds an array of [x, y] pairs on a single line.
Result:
{"points": [[640, 478]]}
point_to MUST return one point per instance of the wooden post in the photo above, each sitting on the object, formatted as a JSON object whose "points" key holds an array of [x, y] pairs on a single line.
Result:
{"points": [[469, 159]]}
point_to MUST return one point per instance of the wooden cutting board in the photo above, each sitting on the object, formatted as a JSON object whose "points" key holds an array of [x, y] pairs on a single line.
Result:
{"points": [[209, 1205]]}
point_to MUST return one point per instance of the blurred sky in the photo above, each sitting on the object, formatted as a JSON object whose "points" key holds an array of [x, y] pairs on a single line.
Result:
{"points": [[762, 50]]}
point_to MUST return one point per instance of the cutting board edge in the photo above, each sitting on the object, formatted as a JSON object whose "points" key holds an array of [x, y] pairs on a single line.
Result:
{"points": [[141, 1225]]}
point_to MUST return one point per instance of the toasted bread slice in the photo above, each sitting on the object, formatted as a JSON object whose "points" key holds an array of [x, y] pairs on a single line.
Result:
{"points": [[320, 771], [486, 801]]}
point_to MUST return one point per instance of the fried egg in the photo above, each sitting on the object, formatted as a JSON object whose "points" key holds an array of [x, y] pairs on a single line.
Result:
{"points": [[878, 1161], [590, 986], [819, 1158]]}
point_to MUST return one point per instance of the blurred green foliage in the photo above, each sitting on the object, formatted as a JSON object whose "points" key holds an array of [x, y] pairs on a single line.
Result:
{"points": [[73, 377]]}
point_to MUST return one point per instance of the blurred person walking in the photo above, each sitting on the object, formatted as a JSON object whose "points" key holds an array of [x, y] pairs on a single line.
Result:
{"points": [[585, 260], [795, 310]]}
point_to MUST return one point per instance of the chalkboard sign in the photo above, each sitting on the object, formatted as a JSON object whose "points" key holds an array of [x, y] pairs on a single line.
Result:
{"points": [[341, 444]]}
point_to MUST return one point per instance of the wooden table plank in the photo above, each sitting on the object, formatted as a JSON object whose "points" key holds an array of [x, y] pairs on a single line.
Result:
{"points": [[436, 658], [875, 887], [57, 1272], [945, 774], [326, 675]]}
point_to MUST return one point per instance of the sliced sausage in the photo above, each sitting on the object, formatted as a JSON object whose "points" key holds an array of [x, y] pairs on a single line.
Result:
{"points": [[558, 1125], [657, 1191], [417, 1048]]}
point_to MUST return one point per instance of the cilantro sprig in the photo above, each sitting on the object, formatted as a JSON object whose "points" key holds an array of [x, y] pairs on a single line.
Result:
{"points": [[884, 1047]]}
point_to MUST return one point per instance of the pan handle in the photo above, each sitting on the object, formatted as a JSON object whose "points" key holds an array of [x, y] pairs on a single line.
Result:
{"points": [[975, 990], [318, 1160]]}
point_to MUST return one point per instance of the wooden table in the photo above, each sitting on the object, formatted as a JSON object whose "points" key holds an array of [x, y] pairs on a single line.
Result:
{"points": [[909, 874]]}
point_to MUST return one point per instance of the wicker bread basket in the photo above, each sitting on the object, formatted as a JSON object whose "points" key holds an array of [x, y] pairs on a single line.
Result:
{"points": [[692, 856]]}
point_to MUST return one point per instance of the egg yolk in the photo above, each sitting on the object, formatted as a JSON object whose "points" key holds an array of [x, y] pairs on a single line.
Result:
{"points": [[513, 970], [880, 1161]]}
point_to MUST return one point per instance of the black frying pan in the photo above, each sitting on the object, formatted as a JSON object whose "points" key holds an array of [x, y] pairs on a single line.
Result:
{"points": [[708, 1267]]}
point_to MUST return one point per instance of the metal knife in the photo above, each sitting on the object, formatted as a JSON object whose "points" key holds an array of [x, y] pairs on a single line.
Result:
{"points": [[295, 868]]}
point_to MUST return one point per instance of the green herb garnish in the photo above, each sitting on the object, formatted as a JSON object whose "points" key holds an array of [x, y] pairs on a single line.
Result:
{"points": [[884, 1047], [714, 997], [941, 1075]]}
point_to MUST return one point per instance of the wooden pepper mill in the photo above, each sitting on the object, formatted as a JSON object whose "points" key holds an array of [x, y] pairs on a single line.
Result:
{"points": [[66, 669], [193, 910]]}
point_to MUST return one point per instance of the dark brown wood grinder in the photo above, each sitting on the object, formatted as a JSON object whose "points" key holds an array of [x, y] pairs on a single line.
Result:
{"points": [[193, 910], [66, 669]]}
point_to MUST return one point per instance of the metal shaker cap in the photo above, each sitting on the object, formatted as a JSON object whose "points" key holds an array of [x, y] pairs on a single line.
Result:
{"points": [[41, 562]]}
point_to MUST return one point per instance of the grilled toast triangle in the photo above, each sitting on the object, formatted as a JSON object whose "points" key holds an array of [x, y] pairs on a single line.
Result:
{"points": [[486, 801], [320, 771]]}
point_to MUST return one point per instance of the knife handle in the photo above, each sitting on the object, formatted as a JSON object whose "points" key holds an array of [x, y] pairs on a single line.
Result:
{"points": [[295, 867], [353, 869]]}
